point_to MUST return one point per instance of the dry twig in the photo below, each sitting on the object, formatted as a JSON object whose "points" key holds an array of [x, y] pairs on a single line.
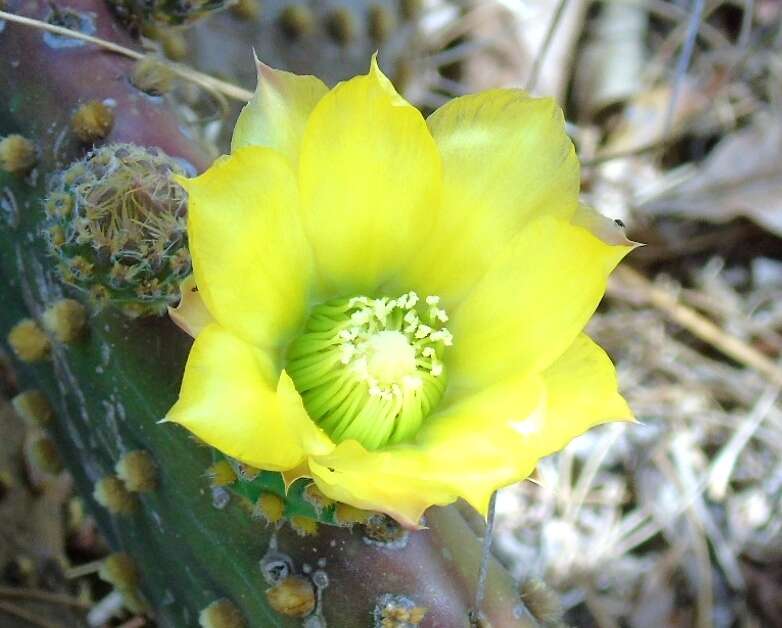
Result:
{"points": [[43, 596], [698, 325], [24, 614]]}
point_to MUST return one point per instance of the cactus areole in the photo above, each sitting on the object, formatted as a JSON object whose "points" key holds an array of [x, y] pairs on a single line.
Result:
{"points": [[390, 305]]}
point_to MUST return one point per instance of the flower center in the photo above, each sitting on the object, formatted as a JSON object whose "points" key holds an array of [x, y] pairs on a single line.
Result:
{"points": [[390, 357], [371, 369]]}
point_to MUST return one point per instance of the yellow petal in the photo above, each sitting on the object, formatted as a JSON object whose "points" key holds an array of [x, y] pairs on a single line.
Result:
{"points": [[313, 439], [535, 300], [478, 443], [191, 315], [251, 260], [496, 437], [506, 160], [370, 183], [468, 450], [228, 401], [290, 476], [581, 393], [396, 481], [277, 114]]}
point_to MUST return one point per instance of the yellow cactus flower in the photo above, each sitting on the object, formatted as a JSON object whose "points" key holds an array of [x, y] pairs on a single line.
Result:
{"points": [[392, 305]]}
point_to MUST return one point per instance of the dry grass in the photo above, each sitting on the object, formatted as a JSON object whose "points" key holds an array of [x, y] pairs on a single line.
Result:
{"points": [[657, 524]]}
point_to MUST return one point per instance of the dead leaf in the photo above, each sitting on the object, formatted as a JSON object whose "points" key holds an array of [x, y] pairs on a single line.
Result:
{"points": [[610, 66], [741, 177], [643, 120], [512, 35]]}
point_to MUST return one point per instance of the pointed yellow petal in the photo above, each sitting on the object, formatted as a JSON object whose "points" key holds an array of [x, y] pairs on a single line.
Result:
{"points": [[506, 160], [251, 260], [290, 476], [191, 315], [496, 437], [228, 400], [370, 183], [396, 481], [535, 300], [278, 113], [581, 392]]}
